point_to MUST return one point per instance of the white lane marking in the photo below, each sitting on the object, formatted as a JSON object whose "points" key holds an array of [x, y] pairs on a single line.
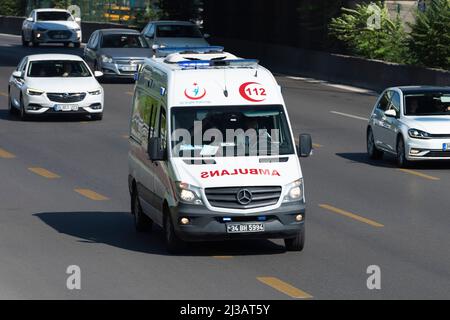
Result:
{"points": [[10, 35], [334, 85], [349, 115]]}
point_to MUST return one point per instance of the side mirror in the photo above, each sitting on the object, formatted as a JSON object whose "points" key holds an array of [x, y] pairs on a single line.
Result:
{"points": [[29, 19], [98, 74], [390, 113], [155, 149], [305, 145], [155, 46], [18, 74], [78, 20]]}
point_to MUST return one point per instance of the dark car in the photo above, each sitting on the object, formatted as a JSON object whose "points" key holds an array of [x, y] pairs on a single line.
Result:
{"points": [[116, 52]]}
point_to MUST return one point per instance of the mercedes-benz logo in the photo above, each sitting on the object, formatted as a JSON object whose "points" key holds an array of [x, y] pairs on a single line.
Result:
{"points": [[65, 95], [244, 196]]}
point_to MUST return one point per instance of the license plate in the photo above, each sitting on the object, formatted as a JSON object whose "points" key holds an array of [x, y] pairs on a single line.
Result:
{"points": [[128, 68], [66, 107], [446, 146], [245, 227]]}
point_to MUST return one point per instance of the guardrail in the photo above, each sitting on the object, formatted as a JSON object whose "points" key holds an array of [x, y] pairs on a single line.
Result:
{"points": [[370, 74], [13, 25]]}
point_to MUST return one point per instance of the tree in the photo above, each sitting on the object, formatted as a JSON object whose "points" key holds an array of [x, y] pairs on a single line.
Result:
{"points": [[12, 7], [368, 31], [430, 36]]}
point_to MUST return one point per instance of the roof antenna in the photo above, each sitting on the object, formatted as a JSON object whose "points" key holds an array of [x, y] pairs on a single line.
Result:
{"points": [[256, 72], [225, 91]]}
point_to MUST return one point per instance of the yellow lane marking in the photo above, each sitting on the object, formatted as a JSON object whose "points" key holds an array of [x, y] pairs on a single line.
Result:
{"points": [[91, 194], [129, 93], [316, 145], [5, 154], [44, 173], [3, 94], [223, 257], [419, 174], [351, 215], [284, 287], [125, 136]]}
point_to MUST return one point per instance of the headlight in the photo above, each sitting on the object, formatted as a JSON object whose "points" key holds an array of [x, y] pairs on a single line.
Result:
{"points": [[34, 92], [418, 134], [294, 191], [96, 92], [189, 194], [107, 59]]}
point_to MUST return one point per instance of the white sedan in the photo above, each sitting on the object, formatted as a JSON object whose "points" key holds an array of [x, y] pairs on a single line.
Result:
{"points": [[55, 84], [411, 123]]}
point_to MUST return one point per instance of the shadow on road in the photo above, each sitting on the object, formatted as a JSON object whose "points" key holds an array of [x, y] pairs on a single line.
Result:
{"points": [[5, 115], [388, 161], [117, 229]]}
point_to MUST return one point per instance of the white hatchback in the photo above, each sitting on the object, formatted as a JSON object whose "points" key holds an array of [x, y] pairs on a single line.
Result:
{"points": [[55, 84], [412, 123]]}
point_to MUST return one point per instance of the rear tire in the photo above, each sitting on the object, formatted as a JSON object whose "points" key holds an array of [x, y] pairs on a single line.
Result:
{"points": [[372, 150], [402, 162], [297, 243], [173, 243], [142, 223]]}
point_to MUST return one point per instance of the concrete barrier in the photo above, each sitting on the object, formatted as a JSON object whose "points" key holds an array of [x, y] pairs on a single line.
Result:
{"points": [[13, 25], [370, 74]]}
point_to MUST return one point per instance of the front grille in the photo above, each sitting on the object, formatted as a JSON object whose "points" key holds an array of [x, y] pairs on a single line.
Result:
{"points": [[437, 154], [59, 34], [227, 197], [128, 61], [66, 97]]}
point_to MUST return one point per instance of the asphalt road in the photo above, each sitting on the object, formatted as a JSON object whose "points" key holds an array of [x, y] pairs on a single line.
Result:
{"points": [[360, 213]]}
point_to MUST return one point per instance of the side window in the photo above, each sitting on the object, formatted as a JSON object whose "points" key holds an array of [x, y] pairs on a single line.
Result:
{"points": [[383, 104], [163, 127], [153, 124], [95, 41], [395, 102], [136, 121], [151, 31]]}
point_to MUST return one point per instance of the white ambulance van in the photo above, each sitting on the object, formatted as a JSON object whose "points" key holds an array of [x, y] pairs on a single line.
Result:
{"points": [[212, 153]]}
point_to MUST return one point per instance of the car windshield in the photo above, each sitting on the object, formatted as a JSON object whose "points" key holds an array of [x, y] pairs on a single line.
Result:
{"points": [[427, 104], [178, 31], [123, 41], [230, 131], [62, 68], [53, 16]]}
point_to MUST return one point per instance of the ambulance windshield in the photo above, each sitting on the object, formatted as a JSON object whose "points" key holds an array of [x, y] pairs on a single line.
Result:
{"points": [[230, 131]]}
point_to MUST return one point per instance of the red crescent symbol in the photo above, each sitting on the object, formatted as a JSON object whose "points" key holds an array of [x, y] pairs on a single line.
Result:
{"points": [[194, 98], [244, 94]]}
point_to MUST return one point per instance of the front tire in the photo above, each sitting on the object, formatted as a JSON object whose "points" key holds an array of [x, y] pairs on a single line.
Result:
{"points": [[297, 243], [372, 150], [142, 223], [34, 43], [173, 243], [24, 42], [402, 162], [23, 115]]}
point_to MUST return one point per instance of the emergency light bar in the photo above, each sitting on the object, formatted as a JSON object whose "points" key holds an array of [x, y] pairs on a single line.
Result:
{"points": [[219, 63], [167, 50]]}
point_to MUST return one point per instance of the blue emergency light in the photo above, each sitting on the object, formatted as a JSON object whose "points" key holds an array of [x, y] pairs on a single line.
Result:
{"points": [[219, 63], [206, 49]]}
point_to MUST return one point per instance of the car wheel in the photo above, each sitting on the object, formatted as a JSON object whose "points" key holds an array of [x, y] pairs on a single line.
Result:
{"points": [[141, 221], [173, 243], [372, 150], [24, 42], [97, 116], [23, 114], [402, 162], [297, 243], [34, 43], [12, 110]]}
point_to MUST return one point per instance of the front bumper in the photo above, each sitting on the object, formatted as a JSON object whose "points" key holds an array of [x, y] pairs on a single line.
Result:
{"points": [[427, 149], [52, 36], [208, 225], [115, 70], [35, 105]]}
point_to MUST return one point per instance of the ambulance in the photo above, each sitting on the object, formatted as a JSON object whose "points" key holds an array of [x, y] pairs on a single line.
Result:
{"points": [[212, 155]]}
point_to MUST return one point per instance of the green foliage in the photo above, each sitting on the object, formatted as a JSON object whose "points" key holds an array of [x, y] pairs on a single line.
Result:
{"points": [[430, 36], [12, 7], [368, 31]]}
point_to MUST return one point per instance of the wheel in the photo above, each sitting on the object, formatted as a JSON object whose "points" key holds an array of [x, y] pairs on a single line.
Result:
{"points": [[402, 162], [24, 42], [23, 114], [297, 243], [372, 150], [97, 116], [173, 243], [34, 43], [12, 110], [141, 221]]}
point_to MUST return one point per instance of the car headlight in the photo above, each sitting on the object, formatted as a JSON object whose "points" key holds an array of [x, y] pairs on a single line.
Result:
{"points": [[107, 59], [418, 134], [34, 92], [95, 92], [189, 193], [294, 191]]}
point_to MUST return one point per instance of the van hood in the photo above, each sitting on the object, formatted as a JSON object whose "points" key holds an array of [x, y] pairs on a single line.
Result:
{"points": [[57, 25], [238, 171], [183, 42], [431, 124], [63, 84]]}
